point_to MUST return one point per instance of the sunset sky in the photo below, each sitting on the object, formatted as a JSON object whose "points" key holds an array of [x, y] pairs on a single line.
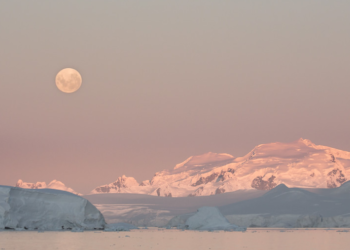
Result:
{"points": [[164, 80]]}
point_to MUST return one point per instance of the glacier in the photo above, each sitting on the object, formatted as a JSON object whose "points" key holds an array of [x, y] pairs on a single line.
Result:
{"points": [[46, 209]]}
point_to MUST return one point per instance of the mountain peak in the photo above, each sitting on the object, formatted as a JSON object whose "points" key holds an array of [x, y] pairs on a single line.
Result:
{"points": [[306, 142], [119, 186], [281, 188]]}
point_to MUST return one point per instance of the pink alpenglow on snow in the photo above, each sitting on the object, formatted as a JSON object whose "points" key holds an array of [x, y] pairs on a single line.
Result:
{"points": [[41, 185], [297, 164]]}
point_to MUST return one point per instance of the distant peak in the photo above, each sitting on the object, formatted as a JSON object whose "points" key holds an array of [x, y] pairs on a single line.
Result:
{"points": [[281, 188], [306, 142], [56, 182]]}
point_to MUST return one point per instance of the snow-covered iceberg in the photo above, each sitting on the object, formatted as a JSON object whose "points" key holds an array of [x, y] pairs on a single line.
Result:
{"points": [[206, 218], [46, 209]]}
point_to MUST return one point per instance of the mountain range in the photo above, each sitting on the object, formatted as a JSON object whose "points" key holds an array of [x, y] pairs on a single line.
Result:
{"points": [[299, 164], [42, 185]]}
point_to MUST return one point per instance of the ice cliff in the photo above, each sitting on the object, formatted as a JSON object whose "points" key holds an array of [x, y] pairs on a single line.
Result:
{"points": [[46, 209]]}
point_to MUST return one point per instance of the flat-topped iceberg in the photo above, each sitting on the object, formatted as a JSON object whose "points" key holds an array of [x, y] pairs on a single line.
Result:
{"points": [[206, 218], [46, 209]]}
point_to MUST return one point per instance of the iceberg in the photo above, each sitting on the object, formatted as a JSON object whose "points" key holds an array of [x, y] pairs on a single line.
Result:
{"points": [[206, 218], [46, 209]]}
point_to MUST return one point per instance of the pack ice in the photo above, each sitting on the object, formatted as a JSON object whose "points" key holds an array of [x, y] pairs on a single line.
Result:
{"points": [[46, 209]]}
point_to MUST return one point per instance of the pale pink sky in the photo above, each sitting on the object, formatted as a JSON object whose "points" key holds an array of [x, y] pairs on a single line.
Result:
{"points": [[164, 80]]}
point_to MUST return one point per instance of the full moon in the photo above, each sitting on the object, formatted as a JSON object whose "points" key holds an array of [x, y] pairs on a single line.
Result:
{"points": [[68, 80]]}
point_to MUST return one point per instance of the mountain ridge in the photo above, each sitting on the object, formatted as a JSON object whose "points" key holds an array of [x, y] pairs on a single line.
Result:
{"points": [[55, 184]]}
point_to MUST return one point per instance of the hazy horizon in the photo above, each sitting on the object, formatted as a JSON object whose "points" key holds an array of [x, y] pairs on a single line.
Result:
{"points": [[163, 81]]}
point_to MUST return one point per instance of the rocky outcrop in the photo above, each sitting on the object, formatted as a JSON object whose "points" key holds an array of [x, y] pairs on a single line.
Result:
{"points": [[260, 184], [336, 178], [205, 180], [164, 192], [219, 191], [198, 192]]}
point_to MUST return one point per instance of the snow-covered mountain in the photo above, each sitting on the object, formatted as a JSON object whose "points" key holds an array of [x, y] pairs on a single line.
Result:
{"points": [[297, 164], [41, 185]]}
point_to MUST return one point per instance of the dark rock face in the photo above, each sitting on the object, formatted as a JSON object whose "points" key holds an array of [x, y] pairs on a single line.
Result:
{"points": [[219, 191], [205, 180], [224, 176], [120, 183], [252, 155], [104, 189], [260, 184], [332, 158], [165, 194], [335, 178], [197, 192], [38, 186], [231, 170], [213, 177]]}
